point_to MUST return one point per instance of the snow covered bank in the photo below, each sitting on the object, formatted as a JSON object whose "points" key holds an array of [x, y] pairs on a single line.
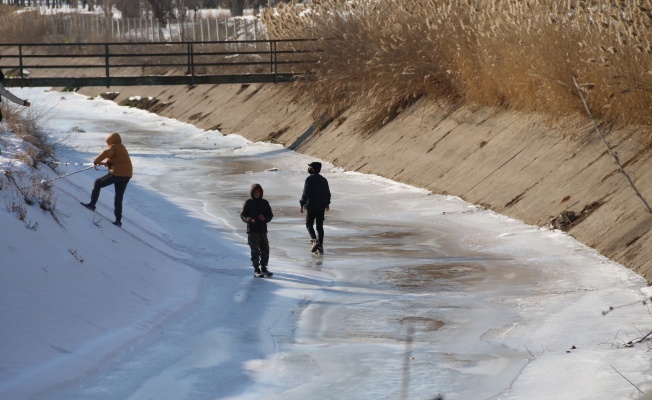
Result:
{"points": [[71, 296]]}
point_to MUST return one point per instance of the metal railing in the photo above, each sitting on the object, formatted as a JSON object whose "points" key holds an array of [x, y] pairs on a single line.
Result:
{"points": [[157, 63]]}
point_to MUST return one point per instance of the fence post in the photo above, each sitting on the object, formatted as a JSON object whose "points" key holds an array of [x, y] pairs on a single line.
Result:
{"points": [[191, 63], [106, 64], [20, 62], [271, 56]]}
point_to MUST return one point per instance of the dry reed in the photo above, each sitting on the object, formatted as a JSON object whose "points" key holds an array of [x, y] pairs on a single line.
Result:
{"points": [[381, 55]]}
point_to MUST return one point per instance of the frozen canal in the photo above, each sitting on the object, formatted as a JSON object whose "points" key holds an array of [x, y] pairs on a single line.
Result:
{"points": [[416, 295]]}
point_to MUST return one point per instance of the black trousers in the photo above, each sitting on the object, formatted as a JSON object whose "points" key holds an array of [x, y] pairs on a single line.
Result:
{"points": [[120, 183], [316, 217], [259, 246]]}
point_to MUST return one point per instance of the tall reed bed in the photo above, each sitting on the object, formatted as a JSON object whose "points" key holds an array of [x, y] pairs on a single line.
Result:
{"points": [[31, 26], [381, 55]]}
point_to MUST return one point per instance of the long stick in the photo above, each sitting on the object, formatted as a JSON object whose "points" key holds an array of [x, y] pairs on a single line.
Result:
{"points": [[58, 177], [625, 378], [71, 163], [611, 153]]}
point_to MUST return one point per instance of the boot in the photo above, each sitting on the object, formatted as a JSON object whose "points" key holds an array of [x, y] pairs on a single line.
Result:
{"points": [[315, 244], [90, 206], [266, 273], [258, 273]]}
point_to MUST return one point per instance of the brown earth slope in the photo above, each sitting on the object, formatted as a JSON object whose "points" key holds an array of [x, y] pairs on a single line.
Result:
{"points": [[518, 165]]}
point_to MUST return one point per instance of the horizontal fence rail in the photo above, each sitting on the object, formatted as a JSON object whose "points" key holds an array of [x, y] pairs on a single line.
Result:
{"points": [[156, 63]]}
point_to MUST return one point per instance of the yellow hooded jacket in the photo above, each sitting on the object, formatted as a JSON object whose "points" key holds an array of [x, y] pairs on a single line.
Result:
{"points": [[117, 157]]}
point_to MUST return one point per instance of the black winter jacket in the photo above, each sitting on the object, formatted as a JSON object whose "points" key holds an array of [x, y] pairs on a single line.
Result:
{"points": [[316, 193], [253, 208]]}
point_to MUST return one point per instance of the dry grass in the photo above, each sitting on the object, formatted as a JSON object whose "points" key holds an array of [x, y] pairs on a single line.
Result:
{"points": [[40, 149], [34, 27], [27, 126], [382, 55]]}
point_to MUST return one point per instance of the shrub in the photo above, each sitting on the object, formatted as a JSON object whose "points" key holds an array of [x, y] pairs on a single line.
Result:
{"points": [[27, 126]]}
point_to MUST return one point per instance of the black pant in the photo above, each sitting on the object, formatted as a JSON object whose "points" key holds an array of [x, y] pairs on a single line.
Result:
{"points": [[259, 246], [120, 184], [313, 216]]}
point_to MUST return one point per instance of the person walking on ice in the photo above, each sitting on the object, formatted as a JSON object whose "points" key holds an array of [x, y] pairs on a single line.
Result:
{"points": [[120, 172], [316, 199], [7, 94], [256, 213]]}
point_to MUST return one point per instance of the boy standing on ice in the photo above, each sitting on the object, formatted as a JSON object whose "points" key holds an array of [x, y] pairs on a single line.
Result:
{"points": [[120, 172], [316, 199], [256, 213]]}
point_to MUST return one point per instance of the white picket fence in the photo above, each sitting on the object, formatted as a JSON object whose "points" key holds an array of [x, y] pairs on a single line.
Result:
{"points": [[76, 27], [200, 29]]}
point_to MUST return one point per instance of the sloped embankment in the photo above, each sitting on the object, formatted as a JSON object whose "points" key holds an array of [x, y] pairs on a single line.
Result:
{"points": [[518, 165]]}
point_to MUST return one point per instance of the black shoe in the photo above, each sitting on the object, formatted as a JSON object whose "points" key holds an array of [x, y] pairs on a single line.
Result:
{"points": [[266, 273], [315, 244], [117, 223], [320, 249], [258, 273], [90, 206]]}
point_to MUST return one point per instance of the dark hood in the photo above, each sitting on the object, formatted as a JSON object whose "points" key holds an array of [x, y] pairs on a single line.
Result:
{"points": [[316, 166], [256, 186]]}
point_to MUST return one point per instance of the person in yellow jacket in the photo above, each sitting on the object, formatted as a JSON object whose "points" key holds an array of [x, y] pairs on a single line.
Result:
{"points": [[120, 172]]}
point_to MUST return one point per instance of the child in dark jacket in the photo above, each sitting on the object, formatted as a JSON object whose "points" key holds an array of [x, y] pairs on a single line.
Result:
{"points": [[256, 213]]}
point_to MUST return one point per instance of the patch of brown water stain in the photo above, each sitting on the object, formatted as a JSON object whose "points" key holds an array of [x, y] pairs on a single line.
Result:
{"points": [[240, 166], [422, 324], [362, 251], [428, 275], [387, 240]]}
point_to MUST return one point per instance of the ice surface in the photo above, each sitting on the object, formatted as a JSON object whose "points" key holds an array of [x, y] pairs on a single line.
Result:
{"points": [[416, 295]]}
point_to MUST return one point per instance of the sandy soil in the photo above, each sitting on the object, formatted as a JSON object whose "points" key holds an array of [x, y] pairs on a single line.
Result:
{"points": [[519, 165]]}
